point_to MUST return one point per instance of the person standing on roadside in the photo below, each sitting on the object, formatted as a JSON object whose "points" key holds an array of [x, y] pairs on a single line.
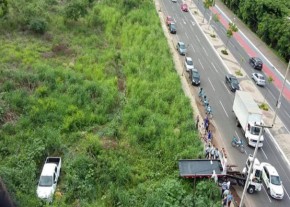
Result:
{"points": [[229, 199], [224, 187], [197, 121], [209, 136]]}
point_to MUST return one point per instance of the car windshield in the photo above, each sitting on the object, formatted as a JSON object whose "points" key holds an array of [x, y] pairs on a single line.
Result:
{"points": [[172, 26], [182, 46], [195, 74], [255, 130], [261, 77], [275, 180], [234, 81], [189, 62], [45, 181]]}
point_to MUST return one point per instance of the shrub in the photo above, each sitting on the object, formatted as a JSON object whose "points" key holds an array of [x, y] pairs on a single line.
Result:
{"points": [[38, 26]]}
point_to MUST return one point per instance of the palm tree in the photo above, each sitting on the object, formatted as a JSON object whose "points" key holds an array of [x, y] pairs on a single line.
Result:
{"points": [[207, 4], [230, 32]]}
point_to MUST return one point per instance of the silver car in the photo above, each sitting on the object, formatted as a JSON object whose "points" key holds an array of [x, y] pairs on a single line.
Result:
{"points": [[188, 64], [259, 79], [180, 47]]}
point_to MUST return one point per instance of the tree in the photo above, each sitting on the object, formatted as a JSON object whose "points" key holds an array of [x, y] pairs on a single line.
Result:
{"points": [[75, 10], [3, 8], [230, 31], [207, 4]]}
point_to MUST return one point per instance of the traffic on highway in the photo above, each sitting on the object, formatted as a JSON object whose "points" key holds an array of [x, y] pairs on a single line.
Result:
{"points": [[198, 56]]}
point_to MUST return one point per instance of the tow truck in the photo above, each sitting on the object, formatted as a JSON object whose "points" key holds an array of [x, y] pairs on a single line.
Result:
{"points": [[205, 168]]}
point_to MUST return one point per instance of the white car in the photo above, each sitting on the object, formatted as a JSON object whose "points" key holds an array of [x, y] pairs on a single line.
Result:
{"points": [[259, 79], [272, 181], [188, 64]]}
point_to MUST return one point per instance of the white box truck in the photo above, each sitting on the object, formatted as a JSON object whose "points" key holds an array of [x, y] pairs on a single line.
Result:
{"points": [[48, 178], [248, 115]]}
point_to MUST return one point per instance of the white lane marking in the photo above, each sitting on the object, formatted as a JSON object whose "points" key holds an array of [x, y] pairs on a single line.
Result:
{"points": [[197, 38], [224, 109], [271, 94], [200, 64], [266, 193], [249, 41], [226, 87], [205, 51], [192, 23], [193, 48], [186, 35], [287, 113], [237, 134], [214, 67], [286, 192], [184, 22], [264, 153], [211, 84]]}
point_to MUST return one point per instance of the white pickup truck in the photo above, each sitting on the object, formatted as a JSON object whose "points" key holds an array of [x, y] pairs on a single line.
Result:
{"points": [[48, 178]]}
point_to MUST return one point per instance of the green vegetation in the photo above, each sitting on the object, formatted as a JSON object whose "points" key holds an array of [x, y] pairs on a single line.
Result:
{"points": [[264, 106], [268, 19], [239, 73], [94, 83]]}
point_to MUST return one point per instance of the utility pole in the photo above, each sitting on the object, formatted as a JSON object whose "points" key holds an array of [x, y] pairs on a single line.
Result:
{"points": [[278, 104], [252, 163]]}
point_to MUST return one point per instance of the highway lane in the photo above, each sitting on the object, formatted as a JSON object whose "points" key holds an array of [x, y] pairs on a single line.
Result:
{"points": [[269, 91], [212, 82]]}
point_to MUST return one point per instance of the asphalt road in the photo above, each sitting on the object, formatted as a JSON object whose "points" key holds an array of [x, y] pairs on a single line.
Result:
{"points": [[269, 91], [221, 99]]}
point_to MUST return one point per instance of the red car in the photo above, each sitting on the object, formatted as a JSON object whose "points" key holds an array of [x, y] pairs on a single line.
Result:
{"points": [[169, 20], [184, 7]]}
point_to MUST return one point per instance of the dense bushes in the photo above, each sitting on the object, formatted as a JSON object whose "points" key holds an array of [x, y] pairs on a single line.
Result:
{"points": [[269, 19], [100, 98]]}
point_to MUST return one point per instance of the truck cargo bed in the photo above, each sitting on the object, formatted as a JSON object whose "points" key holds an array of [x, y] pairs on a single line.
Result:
{"points": [[199, 168]]}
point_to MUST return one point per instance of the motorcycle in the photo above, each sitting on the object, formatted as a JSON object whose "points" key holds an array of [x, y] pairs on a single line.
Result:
{"points": [[238, 143]]}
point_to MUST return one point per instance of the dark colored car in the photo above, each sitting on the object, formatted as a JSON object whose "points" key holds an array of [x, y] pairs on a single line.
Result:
{"points": [[256, 63], [232, 82], [172, 28], [194, 77]]}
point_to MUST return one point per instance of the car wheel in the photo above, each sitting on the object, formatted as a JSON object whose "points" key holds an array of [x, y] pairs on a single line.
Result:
{"points": [[251, 189]]}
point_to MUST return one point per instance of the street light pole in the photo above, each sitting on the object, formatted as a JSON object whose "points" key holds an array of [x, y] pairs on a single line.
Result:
{"points": [[281, 92], [252, 162]]}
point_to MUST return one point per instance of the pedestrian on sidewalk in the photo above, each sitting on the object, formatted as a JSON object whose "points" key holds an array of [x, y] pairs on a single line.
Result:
{"points": [[224, 201], [207, 150], [209, 136], [228, 185], [224, 187], [212, 150], [216, 153], [197, 121], [226, 193], [229, 199]]}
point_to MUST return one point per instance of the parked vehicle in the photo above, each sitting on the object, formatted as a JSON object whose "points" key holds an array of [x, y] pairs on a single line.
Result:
{"points": [[169, 20], [184, 7], [194, 77], [248, 116], [172, 28], [256, 63], [188, 64], [255, 183], [48, 178], [205, 168], [272, 181], [232, 82], [259, 79], [181, 48], [236, 142], [174, 1]]}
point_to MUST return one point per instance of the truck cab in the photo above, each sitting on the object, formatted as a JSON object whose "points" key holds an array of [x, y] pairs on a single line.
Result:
{"points": [[255, 183], [252, 134], [48, 179]]}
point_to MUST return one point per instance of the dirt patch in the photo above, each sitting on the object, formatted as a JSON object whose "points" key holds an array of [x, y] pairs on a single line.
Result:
{"points": [[108, 143]]}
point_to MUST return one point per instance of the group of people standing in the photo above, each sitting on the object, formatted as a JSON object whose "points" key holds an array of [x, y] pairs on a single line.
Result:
{"points": [[211, 152], [227, 196]]}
